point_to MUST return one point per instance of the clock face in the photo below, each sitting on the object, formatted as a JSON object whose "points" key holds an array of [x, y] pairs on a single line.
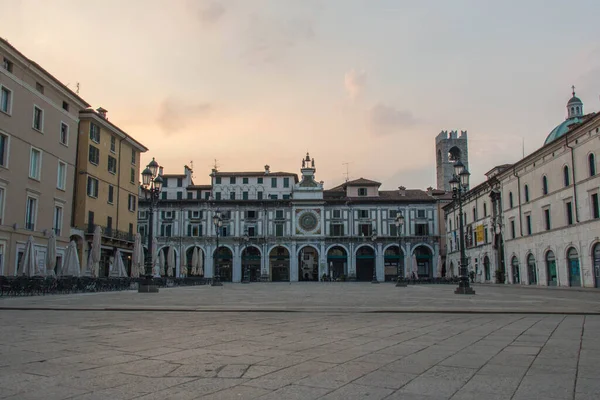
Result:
{"points": [[308, 222]]}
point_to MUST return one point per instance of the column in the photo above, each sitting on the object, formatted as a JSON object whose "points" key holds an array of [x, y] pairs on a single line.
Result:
{"points": [[293, 262], [236, 264], [407, 260], [352, 262], [264, 271], [323, 268], [209, 262], [379, 263]]}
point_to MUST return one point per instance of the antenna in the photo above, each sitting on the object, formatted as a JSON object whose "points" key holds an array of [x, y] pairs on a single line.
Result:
{"points": [[77, 85], [523, 141], [192, 168], [347, 174], [216, 165]]}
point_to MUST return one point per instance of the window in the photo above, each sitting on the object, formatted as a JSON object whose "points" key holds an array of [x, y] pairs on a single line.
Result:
{"points": [[64, 133], [65, 106], [218, 195], [273, 196], [92, 187], [194, 230], [363, 213], [179, 195], [39, 87], [1, 205], [223, 230], [421, 229], [35, 163], [38, 119], [58, 218], [474, 214], [195, 214], [273, 182], [30, 213], [251, 214], [337, 214], [6, 100], [142, 215], [285, 197], [132, 176], [94, 155], [569, 211], [485, 233], [206, 195], [393, 230], [4, 150], [113, 144], [510, 199], [61, 178], [259, 195], [244, 195], [166, 230], [526, 189], [362, 191], [528, 224], [420, 213], [167, 214], [190, 195], [279, 214], [365, 229], [232, 180], [90, 221], [595, 206], [179, 182], [231, 195], [547, 219], [592, 164], [131, 203], [279, 229], [259, 181], [7, 65], [393, 213], [245, 181], [485, 214], [130, 229], [163, 195], [286, 182], [218, 180], [112, 165], [544, 185], [133, 157], [512, 229], [111, 194], [94, 133], [337, 229], [566, 176], [165, 182]]}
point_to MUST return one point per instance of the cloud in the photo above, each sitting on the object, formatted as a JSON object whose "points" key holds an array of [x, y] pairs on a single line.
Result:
{"points": [[384, 119], [269, 39], [208, 12], [175, 115], [355, 83]]}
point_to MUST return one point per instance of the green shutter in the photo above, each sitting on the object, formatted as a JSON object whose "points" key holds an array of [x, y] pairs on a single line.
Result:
{"points": [[189, 230]]}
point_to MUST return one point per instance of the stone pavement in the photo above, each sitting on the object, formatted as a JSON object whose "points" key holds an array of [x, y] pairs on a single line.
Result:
{"points": [[253, 355]]}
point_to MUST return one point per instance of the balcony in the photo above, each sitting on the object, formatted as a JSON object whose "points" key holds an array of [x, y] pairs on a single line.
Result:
{"points": [[111, 234]]}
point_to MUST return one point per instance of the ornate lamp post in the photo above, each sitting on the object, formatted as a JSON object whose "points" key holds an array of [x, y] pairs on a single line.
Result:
{"points": [[399, 225], [373, 239], [218, 223], [245, 269], [459, 184], [151, 186]]}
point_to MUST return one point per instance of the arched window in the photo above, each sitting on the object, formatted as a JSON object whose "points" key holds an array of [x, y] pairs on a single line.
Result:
{"points": [[485, 209], [566, 176], [526, 189], [474, 214], [592, 164], [577, 109], [510, 199], [572, 110], [515, 267], [544, 185], [531, 270]]}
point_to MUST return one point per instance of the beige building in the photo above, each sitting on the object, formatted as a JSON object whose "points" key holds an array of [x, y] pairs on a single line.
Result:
{"points": [[38, 145], [106, 188]]}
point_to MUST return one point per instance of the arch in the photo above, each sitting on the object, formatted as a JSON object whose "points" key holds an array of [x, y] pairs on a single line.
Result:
{"points": [[189, 251], [551, 275], [279, 263], [412, 251], [363, 245], [301, 247], [223, 262], [514, 262], [566, 176], [487, 268], [577, 109], [278, 245], [572, 110], [454, 154], [595, 254], [592, 164], [365, 263], [336, 245], [393, 262], [544, 185], [251, 258], [165, 250], [308, 263], [573, 267], [424, 255], [531, 269], [337, 262]]}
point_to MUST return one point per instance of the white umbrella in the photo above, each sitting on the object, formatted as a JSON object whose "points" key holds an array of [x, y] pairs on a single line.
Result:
{"points": [[70, 265], [200, 268], [155, 259], [28, 266], [94, 259], [137, 263], [118, 267], [438, 267], [183, 271], [415, 267], [51, 254], [170, 261], [161, 262], [448, 269], [195, 261]]}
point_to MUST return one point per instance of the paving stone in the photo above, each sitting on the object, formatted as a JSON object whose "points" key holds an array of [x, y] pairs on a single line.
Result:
{"points": [[238, 392], [491, 384], [386, 379], [296, 392], [358, 392]]}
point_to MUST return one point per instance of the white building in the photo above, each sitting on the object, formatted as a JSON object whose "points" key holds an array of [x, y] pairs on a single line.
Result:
{"points": [[296, 230], [547, 230]]}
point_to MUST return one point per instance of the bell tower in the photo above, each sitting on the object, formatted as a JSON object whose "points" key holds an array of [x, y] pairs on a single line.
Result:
{"points": [[449, 148]]}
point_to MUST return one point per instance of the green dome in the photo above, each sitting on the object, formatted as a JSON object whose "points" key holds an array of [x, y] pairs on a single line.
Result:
{"points": [[561, 129]]}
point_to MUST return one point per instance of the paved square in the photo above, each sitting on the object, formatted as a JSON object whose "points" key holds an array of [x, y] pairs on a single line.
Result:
{"points": [[319, 354]]}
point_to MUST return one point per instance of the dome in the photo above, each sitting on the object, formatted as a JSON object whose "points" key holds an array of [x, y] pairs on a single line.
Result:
{"points": [[574, 100], [561, 129]]}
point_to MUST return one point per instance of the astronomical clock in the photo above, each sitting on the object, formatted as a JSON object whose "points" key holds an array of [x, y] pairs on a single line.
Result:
{"points": [[308, 222]]}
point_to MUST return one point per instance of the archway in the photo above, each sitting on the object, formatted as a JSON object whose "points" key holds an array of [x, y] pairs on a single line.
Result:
{"points": [[515, 270], [486, 268], [596, 263], [454, 154], [531, 271], [551, 276], [393, 261], [165, 253], [424, 257], [223, 260], [279, 264], [573, 265], [337, 262], [188, 261], [308, 264], [251, 264], [365, 263]]}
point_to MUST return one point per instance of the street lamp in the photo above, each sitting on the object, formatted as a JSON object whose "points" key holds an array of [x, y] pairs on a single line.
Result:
{"points": [[373, 239], [218, 223], [246, 269], [399, 225], [460, 184], [151, 186]]}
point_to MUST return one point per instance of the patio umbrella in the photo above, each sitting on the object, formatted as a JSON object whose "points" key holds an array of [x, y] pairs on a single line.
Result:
{"points": [[155, 259], [448, 270], [27, 265], [95, 251], [183, 270], [51, 255], [415, 267], [195, 261], [200, 267], [118, 267], [171, 261], [137, 263], [70, 265], [438, 267], [161, 262]]}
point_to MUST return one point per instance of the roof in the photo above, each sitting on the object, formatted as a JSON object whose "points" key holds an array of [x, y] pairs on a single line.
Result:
{"points": [[36, 65], [561, 129], [574, 99], [362, 182], [260, 174], [91, 112], [201, 187], [384, 196]]}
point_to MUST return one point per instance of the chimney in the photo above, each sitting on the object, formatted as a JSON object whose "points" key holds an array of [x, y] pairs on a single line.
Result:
{"points": [[102, 112], [402, 191], [160, 171], [429, 191], [267, 169]]}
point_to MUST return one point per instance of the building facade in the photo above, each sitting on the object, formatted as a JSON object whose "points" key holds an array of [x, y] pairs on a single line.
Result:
{"points": [[106, 188], [547, 212], [38, 147], [277, 227]]}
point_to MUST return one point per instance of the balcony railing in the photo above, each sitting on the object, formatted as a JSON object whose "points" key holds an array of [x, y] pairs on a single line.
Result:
{"points": [[109, 232]]}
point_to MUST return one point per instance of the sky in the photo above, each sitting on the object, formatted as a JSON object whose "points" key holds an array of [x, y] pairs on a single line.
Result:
{"points": [[363, 85]]}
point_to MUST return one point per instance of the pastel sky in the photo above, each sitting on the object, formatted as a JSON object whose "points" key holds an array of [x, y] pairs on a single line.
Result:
{"points": [[367, 82]]}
